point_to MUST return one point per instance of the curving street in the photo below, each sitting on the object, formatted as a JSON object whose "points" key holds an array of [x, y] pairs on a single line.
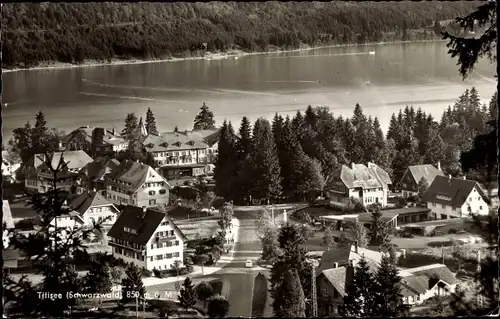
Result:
{"points": [[238, 281]]}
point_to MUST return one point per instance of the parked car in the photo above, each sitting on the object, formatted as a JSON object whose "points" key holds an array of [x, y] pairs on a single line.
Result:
{"points": [[248, 264]]}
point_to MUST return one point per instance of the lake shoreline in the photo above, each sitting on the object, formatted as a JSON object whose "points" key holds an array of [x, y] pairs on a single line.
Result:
{"points": [[209, 56]]}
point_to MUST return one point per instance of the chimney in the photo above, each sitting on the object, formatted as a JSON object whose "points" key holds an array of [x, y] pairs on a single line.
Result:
{"points": [[439, 165], [356, 246], [113, 131], [335, 265]]}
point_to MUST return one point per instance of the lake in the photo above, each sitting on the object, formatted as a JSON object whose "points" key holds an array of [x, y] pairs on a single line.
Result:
{"points": [[419, 74]]}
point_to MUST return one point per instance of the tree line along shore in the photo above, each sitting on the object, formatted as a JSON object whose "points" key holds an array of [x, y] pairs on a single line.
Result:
{"points": [[40, 34]]}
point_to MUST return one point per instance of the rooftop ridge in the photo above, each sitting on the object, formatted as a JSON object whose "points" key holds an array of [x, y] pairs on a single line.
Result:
{"points": [[426, 267]]}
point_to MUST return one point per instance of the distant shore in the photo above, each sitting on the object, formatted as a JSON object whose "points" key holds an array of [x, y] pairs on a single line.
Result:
{"points": [[230, 54]]}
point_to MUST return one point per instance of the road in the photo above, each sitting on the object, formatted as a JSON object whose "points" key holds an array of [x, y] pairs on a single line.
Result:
{"points": [[238, 281]]}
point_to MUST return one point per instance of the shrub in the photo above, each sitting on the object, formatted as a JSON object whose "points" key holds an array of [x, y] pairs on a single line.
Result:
{"points": [[189, 268], [146, 272], [157, 273], [452, 231]]}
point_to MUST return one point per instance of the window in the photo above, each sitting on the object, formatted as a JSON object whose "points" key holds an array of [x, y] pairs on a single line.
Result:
{"points": [[152, 202], [169, 244], [443, 206], [163, 191], [172, 233], [152, 193], [418, 297], [480, 207], [176, 254], [153, 246], [176, 243], [159, 257], [433, 204]]}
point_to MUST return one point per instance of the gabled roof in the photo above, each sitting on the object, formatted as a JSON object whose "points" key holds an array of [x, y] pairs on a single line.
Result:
{"points": [[381, 175], [132, 173], [417, 284], [426, 170], [434, 273], [73, 159], [342, 256], [145, 224], [86, 200], [84, 131], [451, 191], [358, 175], [7, 215], [99, 167], [337, 277]]}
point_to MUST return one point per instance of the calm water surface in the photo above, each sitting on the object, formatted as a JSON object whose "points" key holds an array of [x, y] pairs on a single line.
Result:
{"points": [[419, 74]]}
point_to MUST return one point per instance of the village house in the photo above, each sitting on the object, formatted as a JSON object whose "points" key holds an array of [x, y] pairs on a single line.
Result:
{"points": [[449, 197], [133, 183], [336, 270], [368, 184], [39, 176], [9, 166], [95, 141], [93, 175], [9, 254], [147, 237], [94, 208], [184, 154], [413, 175]]}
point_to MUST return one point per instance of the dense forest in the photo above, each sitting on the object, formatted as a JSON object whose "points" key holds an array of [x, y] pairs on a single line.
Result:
{"points": [[35, 33], [291, 156]]}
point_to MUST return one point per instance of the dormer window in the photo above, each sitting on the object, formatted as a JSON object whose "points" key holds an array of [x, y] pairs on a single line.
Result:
{"points": [[129, 230], [149, 145], [164, 144], [191, 143], [178, 144]]}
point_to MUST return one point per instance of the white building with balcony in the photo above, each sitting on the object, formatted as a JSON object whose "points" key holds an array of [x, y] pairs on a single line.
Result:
{"points": [[147, 237]]}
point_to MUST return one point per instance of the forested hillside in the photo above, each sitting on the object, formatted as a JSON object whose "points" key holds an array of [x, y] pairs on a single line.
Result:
{"points": [[75, 32]]}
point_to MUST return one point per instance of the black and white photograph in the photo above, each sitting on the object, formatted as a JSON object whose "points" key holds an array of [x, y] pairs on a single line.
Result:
{"points": [[250, 159]]}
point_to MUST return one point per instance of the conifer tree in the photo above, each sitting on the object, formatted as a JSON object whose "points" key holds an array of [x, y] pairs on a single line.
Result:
{"points": [[360, 299], [187, 296], [379, 230], [387, 291], [131, 127], [204, 120], [218, 307], [292, 294], [132, 285], [286, 149], [493, 107], [244, 159], [151, 123], [360, 235], [53, 250], [423, 186], [98, 279], [267, 183], [307, 173], [225, 166]]}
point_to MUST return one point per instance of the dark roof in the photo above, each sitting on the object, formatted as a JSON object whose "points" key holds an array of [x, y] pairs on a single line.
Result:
{"points": [[99, 167], [145, 225], [131, 172], [406, 210], [86, 200], [415, 283], [451, 191], [427, 170]]}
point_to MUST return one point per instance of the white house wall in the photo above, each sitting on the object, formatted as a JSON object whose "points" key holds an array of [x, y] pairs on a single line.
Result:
{"points": [[476, 203], [153, 252], [98, 213]]}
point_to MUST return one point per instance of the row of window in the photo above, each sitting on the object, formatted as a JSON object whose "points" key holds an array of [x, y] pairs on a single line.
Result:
{"points": [[169, 243], [153, 184], [176, 153], [161, 192], [128, 253], [165, 233], [370, 190], [120, 190], [371, 199], [126, 243], [130, 230], [165, 256]]}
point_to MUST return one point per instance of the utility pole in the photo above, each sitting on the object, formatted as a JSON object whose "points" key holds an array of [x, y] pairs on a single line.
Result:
{"points": [[314, 292]]}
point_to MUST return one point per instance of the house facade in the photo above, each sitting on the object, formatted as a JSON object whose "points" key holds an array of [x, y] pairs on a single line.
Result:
{"points": [[137, 184], [413, 175], [39, 176], [95, 141], [94, 208], [93, 175], [147, 237], [449, 197], [183, 154], [368, 184]]}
